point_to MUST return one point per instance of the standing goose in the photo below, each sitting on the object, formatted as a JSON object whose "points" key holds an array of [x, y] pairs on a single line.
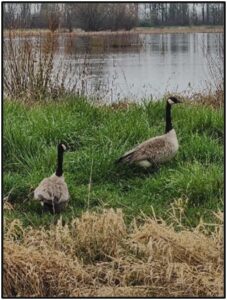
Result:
{"points": [[158, 149], [52, 192]]}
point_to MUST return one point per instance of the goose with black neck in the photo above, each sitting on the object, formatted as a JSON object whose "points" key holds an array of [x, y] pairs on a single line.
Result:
{"points": [[52, 191], [158, 149]]}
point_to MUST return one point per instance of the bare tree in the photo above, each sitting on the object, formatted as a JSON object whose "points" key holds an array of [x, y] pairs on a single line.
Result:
{"points": [[9, 15], [53, 16], [203, 12], [68, 16], [194, 15], [49, 16], [173, 13], [95, 16], [104, 16], [89, 16], [207, 13], [25, 15]]}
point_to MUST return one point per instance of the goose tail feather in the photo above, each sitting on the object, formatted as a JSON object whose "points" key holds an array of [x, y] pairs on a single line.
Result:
{"points": [[124, 159]]}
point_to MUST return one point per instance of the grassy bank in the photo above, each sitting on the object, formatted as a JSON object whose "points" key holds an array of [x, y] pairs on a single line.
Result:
{"points": [[97, 136]]}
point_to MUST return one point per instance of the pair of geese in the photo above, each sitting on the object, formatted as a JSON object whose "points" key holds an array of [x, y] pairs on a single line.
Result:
{"points": [[52, 192]]}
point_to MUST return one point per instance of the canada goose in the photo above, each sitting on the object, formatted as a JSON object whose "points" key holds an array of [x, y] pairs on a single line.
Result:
{"points": [[157, 149], [52, 192]]}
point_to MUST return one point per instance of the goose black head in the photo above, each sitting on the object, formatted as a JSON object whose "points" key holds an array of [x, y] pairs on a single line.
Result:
{"points": [[62, 147], [173, 100]]}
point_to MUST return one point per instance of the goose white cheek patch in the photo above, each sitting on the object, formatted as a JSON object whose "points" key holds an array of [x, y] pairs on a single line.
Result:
{"points": [[63, 146], [170, 101]]}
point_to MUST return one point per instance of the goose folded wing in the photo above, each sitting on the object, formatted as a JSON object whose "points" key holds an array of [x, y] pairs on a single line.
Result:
{"points": [[44, 191], [49, 191], [63, 193], [150, 151]]}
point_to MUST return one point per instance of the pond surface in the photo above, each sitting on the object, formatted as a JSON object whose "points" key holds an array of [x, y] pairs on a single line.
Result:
{"points": [[135, 67]]}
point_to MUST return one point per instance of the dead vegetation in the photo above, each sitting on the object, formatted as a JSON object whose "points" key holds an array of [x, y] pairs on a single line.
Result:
{"points": [[136, 30], [28, 68], [214, 99], [99, 255]]}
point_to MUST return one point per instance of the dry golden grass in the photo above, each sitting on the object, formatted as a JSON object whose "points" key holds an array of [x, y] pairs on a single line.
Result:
{"points": [[98, 255], [144, 30], [214, 99], [7, 205], [180, 29]]}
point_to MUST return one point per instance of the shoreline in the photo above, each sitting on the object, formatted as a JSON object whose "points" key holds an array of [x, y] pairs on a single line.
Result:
{"points": [[180, 29], [137, 30]]}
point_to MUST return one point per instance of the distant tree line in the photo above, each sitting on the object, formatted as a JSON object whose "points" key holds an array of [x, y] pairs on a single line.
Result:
{"points": [[87, 16], [182, 14], [110, 16]]}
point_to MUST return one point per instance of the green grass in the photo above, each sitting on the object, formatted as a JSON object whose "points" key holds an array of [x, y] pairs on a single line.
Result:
{"points": [[97, 136]]}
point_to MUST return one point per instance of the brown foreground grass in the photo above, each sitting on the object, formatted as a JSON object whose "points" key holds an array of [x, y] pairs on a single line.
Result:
{"points": [[99, 255]]}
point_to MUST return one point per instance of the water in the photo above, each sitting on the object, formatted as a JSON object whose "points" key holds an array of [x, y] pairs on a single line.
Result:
{"points": [[141, 66]]}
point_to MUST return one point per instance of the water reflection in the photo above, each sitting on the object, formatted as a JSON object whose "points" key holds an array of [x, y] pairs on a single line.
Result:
{"points": [[113, 67]]}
